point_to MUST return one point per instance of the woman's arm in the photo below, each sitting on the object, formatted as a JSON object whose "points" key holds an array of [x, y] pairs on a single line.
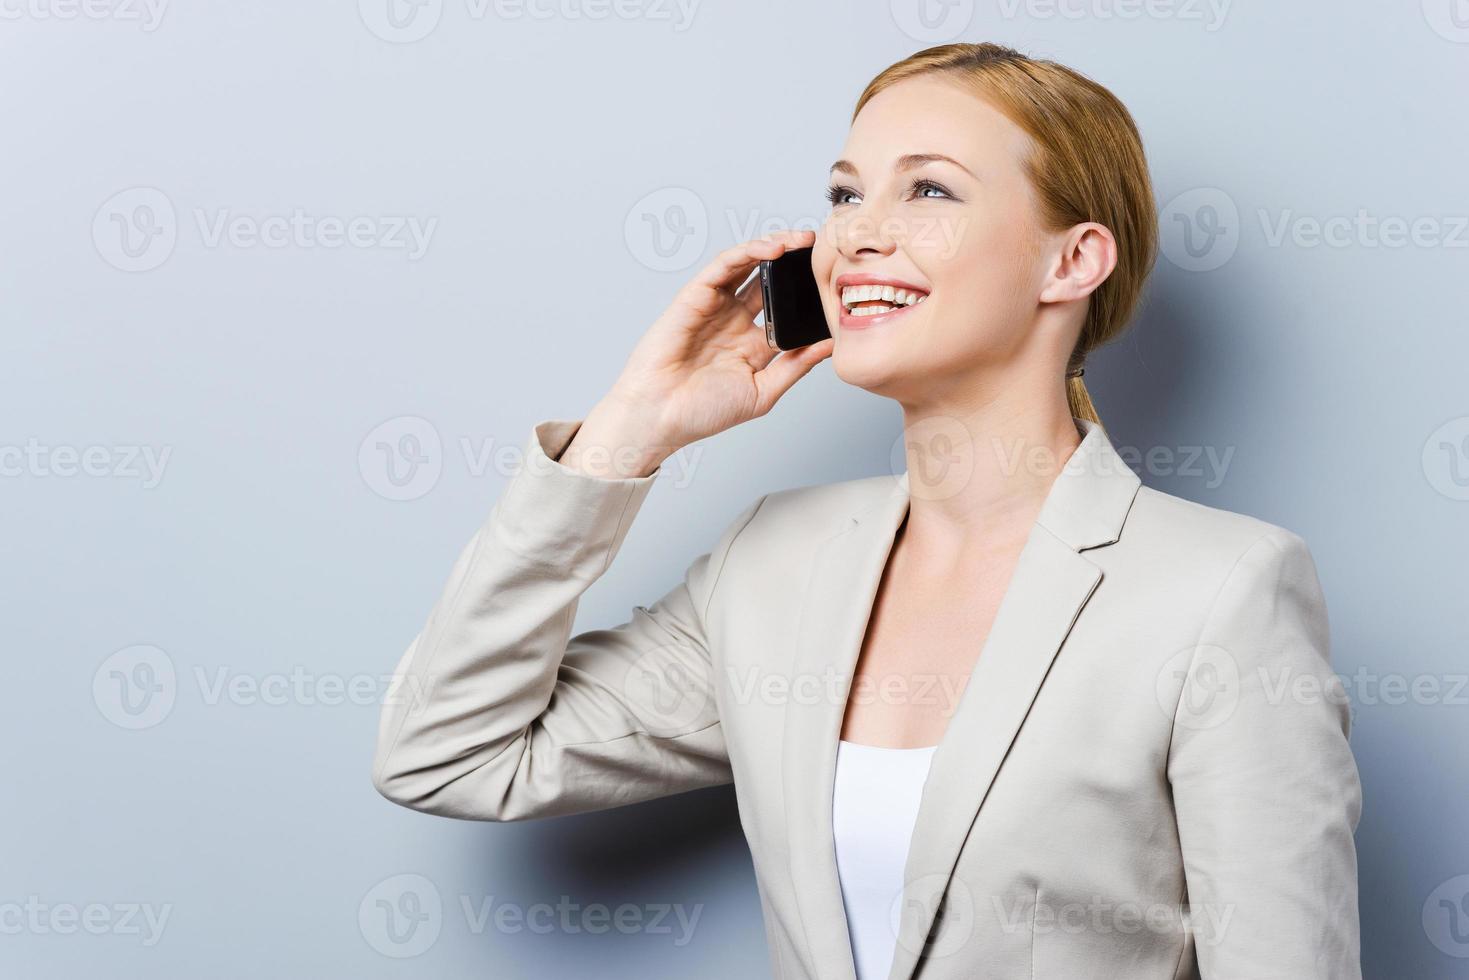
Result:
{"points": [[499, 714], [1265, 787]]}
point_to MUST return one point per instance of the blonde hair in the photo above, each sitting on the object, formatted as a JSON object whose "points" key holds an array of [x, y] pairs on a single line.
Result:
{"points": [[1087, 166]]}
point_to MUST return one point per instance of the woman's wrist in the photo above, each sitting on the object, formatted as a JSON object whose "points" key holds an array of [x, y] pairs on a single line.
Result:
{"points": [[617, 441]]}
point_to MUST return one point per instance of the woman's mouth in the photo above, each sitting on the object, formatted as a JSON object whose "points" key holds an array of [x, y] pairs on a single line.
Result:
{"points": [[876, 301]]}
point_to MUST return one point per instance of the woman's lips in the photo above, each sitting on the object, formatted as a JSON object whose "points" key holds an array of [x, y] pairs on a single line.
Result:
{"points": [[854, 321]]}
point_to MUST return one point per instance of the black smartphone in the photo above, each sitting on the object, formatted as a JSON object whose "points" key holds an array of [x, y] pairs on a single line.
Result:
{"points": [[793, 314]]}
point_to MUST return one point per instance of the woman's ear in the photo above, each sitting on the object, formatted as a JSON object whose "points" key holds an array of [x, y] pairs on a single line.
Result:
{"points": [[1087, 256]]}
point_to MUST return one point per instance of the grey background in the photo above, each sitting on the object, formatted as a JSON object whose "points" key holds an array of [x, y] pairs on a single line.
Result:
{"points": [[542, 145]]}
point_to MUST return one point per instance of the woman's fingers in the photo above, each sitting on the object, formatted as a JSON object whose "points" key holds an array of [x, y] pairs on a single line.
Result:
{"points": [[751, 297], [731, 266], [724, 297]]}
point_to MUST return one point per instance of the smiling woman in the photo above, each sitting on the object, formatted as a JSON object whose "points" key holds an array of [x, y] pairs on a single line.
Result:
{"points": [[1055, 747], [1051, 155]]}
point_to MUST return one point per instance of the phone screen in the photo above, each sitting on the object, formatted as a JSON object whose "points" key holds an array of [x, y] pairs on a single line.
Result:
{"points": [[793, 313]]}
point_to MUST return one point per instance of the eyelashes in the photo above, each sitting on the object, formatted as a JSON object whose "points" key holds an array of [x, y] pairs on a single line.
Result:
{"points": [[836, 192]]}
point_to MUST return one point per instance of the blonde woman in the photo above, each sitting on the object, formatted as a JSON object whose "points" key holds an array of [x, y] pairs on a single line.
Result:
{"points": [[1008, 715]]}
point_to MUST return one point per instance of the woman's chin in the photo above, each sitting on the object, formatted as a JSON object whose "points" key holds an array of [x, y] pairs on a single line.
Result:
{"points": [[875, 367]]}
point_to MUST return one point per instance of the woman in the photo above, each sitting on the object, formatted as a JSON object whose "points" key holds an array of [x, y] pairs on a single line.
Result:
{"points": [[1010, 715]]}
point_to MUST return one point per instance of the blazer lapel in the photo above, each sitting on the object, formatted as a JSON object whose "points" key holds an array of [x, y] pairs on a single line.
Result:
{"points": [[845, 576], [1050, 586]]}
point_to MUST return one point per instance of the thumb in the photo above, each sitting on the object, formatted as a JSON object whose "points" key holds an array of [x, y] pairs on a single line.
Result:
{"points": [[777, 377]]}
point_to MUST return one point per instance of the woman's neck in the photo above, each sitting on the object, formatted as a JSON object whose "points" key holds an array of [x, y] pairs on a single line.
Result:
{"points": [[978, 473]]}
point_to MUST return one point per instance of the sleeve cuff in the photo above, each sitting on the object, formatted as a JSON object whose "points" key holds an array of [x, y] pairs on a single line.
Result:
{"points": [[554, 514]]}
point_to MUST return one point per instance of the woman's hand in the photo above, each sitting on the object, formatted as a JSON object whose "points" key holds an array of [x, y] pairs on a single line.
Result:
{"points": [[702, 367]]}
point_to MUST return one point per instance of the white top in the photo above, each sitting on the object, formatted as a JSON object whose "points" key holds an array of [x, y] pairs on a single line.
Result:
{"points": [[874, 807]]}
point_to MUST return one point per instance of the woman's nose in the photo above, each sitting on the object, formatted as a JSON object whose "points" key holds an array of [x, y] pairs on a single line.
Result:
{"points": [[862, 230]]}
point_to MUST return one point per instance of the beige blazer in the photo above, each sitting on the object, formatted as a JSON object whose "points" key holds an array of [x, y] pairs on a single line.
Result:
{"points": [[1147, 776]]}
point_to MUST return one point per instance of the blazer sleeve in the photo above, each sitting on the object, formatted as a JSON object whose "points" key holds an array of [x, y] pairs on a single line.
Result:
{"points": [[1265, 787], [498, 713]]}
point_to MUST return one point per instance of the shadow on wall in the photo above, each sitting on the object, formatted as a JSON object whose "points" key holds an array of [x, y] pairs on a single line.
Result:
{"points": [[687, 849], [1161, 369]]}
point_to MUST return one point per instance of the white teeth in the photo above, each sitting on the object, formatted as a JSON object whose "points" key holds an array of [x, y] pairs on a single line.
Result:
{"points": [[851, 295]]}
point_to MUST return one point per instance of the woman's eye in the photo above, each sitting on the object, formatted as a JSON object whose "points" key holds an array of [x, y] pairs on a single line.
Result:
{"points": [[838, 195], [922, 187]]}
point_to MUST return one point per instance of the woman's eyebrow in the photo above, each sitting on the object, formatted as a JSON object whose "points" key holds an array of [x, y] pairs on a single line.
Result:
{"points": [[911, 160], [906, 162]]}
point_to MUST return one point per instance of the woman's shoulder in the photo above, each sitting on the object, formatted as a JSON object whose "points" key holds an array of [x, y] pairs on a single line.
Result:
{"points": [[1154, 514], [1162, 530], [1211, 544]]}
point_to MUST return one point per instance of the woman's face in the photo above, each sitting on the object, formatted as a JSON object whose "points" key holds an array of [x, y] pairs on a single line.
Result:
{"points": [[959, 236]]}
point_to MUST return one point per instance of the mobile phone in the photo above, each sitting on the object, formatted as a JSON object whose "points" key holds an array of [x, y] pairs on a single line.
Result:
{"points": [[793, 313]]}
